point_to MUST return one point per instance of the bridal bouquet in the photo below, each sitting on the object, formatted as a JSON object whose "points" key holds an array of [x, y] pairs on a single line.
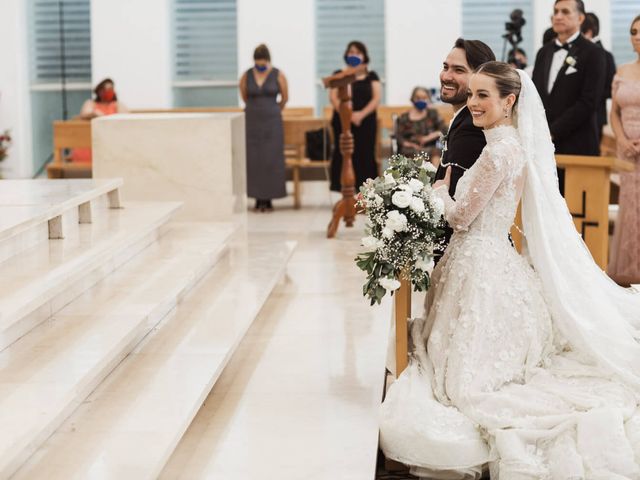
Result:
{"points": [[403, 229]]}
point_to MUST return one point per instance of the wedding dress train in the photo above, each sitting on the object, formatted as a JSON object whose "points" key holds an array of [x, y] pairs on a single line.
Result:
{"points": [[503, 374]]}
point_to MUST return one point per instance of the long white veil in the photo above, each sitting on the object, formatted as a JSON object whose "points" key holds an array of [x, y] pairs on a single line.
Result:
{"points": [[597, 317]]}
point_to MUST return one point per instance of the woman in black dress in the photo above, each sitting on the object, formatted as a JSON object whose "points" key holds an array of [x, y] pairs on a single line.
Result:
{"points": [[265, 93], [366, 92]]}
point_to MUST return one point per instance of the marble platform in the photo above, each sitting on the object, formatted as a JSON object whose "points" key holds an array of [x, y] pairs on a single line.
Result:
{"points": [[184, 360], [195, 158], [42, 279], [51, 371], [26, 207], [131, 424]]}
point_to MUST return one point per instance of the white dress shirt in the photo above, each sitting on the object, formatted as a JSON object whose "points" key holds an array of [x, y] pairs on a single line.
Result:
{"points": [[558, 60]]}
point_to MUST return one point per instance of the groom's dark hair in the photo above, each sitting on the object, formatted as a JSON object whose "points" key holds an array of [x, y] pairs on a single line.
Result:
{"points": [[477, 52]]}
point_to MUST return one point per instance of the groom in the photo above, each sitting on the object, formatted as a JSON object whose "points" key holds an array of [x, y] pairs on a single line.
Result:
{"points": [[464, 142]]}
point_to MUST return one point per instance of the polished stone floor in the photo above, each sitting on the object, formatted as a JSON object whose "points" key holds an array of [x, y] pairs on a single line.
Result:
{"points": [[301, 394]]}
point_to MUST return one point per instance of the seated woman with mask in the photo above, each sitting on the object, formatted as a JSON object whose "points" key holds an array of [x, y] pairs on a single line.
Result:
{"points": [[105, 103], [419, 129]]}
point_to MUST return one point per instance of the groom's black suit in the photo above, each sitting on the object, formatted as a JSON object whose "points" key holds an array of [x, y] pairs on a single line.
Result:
{"points": [[572, 104], [464, 143]]}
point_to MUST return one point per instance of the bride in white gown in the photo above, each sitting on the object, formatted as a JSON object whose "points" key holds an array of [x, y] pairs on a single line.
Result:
{"points": [[528, 365]]}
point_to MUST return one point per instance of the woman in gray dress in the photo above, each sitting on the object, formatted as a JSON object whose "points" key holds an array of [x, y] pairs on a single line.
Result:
{"points": [[260, 87]]}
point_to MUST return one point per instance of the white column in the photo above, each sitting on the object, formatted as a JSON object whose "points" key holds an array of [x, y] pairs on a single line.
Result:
{"points": [[15, 100], [287, 27], [419, 35], [131, 43]]}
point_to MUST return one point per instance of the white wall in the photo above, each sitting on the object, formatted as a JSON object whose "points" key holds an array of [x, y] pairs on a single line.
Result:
{"points": [[15, 105], [419, 35], [131, 43], [287, 27]]}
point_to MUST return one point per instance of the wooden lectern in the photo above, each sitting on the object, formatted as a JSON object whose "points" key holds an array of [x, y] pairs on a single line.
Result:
{"points": [[345, 208], [587, 187]]}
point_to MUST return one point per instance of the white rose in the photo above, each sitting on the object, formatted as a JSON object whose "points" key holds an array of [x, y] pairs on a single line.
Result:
{"points": [[438, 206], [417, 205], [396, 221], [377, 200], [426, 265], [429, 167], [370, 243], [401, 199], [416, 185], [387, 233], [389, 284], [388, 179]]}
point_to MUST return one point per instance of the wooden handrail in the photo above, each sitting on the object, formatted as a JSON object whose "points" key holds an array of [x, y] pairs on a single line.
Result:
{"points": [[612, 163]]}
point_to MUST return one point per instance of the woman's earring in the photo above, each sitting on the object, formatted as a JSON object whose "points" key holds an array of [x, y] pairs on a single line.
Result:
{"points": [[506, 112]]}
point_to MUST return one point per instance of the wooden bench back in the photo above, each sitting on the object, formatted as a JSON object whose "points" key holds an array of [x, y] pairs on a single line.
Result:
{"points": [[386, 113], [287, 112], [70, 134]]}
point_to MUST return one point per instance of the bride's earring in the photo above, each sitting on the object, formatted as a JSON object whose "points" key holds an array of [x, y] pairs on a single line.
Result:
{"points": [[506, 112]]}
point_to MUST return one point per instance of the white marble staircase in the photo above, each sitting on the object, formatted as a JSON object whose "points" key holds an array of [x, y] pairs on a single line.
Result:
{"points": [[115, 324]]}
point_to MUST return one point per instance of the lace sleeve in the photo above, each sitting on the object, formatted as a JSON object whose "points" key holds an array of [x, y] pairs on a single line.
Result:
{"points": [[481, 182]]}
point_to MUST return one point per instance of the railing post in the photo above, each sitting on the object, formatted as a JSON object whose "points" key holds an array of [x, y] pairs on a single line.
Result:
{"points": [[402, 313]]}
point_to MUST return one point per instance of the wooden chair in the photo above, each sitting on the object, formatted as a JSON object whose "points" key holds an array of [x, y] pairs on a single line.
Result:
{"points": [[69, 134], [295, 129]]}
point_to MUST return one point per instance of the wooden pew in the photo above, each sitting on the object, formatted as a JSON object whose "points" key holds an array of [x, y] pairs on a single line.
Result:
{"points": [[286, 113], [386, 115], [69, 134], [76, 133], [295, 129], [587, 183]]}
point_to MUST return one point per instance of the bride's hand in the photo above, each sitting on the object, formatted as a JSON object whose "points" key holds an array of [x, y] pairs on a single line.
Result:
{"points": [[445, 181]]}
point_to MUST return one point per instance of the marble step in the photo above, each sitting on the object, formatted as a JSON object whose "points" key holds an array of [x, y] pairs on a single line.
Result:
{"points": [[130, 425], [30, 208], [42, 279], [50, 371]]}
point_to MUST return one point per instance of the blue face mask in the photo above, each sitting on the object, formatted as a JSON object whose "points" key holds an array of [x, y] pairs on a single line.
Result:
{"points": [[353, 60], [261, 68], [420, 104]]}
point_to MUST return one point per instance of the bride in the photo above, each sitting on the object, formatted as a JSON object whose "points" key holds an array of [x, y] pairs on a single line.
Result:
{"points": [[525, 365]]}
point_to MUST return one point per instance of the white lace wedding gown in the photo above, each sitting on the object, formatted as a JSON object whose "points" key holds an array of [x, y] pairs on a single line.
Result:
{"points": [[492, 381]]}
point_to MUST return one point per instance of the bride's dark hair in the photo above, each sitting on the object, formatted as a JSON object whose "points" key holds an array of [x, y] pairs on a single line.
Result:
{"points": [[506, 78]]}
